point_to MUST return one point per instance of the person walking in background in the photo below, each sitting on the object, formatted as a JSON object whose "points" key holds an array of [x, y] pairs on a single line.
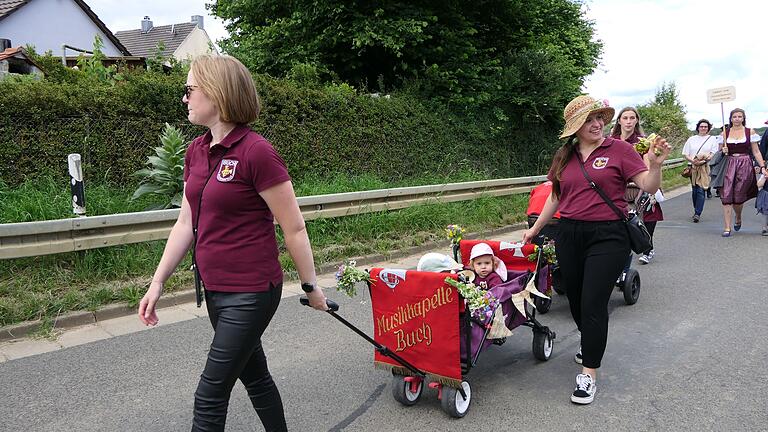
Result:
{"points": [[592, 243], [761, 203], [698, 151], [739, 181], [234, 184], [628, 129]]}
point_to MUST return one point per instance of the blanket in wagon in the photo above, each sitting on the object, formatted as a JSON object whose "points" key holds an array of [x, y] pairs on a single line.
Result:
{"points": [[416, 315]]}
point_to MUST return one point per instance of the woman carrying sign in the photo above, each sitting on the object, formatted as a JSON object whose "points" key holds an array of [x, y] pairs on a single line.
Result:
{"points": [[740, 182]]}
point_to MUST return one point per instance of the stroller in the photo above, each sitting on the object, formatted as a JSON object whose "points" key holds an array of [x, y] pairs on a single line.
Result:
{"points": [[435, 341], [629, 280]]}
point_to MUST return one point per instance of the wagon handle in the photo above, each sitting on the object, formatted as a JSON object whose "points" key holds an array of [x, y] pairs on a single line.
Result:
{"points": [[332, 305]]}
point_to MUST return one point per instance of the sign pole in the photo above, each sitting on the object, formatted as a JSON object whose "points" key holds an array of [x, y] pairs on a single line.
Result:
{"points": [[722, 115]]}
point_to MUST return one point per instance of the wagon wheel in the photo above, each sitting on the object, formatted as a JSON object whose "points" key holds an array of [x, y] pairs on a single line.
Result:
{"points": [[407, 390], [543, 342], [542, 304], [557, 281], [631, 287], [453, 403]]}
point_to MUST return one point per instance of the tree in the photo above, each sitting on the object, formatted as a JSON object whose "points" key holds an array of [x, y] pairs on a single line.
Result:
{"points": [[665, 115], [510, 55]]}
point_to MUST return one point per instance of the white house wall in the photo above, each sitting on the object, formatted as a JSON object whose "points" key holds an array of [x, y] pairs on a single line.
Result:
{"points": [[48, 24], [195, 44]]}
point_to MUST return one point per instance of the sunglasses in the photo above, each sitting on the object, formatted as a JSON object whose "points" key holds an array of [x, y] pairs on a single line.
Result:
{"points": [[188, 89]]}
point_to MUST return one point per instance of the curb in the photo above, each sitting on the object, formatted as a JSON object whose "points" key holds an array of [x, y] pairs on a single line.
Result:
{"points": [[118, 310]]}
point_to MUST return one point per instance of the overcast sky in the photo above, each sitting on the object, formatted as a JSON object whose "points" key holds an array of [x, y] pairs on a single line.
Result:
{"points": [[698, 44]]}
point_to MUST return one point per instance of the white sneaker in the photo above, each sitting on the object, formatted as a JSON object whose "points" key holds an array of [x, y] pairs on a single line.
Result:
{"points": [[585, 389], [645, 259], [578, 359]]}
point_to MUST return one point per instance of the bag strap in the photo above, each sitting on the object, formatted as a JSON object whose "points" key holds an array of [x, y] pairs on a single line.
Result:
{"points": [[200, 204], [597, 189], [702, 144]]}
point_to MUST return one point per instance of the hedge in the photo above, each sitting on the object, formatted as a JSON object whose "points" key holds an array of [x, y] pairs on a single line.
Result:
{"points": [[322, 131]]}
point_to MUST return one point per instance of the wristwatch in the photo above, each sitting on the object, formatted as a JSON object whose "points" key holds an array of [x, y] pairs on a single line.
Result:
{"points": [[307, 287]]}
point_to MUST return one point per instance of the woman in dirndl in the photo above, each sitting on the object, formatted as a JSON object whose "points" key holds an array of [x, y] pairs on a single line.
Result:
{"points": [[740, 180]]}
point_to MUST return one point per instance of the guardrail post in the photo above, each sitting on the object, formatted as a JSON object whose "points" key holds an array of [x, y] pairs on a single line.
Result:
{"points": [[76, 184]]}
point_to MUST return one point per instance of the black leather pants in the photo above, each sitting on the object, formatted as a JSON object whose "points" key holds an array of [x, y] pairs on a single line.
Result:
{"points": [[239, 320]]}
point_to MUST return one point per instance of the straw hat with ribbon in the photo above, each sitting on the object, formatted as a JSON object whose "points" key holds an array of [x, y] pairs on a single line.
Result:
{"points": [[577, 111]]}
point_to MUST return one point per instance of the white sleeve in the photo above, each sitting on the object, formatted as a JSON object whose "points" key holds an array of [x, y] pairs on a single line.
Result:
{"points": [[687, 147], [712, 145]]}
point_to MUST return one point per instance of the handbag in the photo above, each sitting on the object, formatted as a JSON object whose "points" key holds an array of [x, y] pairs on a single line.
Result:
{"points": [[639, 238], [688, 170]]}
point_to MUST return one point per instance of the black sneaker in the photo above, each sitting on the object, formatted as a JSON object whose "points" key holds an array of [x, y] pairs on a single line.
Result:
{"points": [[585, 390], [696, 218], [578, 358]]}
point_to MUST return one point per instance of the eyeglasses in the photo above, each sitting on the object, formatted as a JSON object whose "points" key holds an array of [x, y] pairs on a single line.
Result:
{"points": [[188, 89]]}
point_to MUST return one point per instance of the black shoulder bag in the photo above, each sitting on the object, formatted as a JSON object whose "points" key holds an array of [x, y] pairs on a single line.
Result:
{"points": [[199, 287], [639, 237]]}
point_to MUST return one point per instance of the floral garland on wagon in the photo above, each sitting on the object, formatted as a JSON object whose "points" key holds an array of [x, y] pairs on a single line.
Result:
{"points": [[348, 276]]}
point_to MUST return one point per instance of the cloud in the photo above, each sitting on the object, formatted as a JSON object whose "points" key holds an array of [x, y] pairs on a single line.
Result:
{"points": [[698, 45]]}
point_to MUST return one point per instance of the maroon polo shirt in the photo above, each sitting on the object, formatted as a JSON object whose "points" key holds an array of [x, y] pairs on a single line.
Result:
{"points": [[611, 166], [236, 247]]}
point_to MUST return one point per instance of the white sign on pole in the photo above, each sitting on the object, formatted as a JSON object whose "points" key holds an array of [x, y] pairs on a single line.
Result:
{"points": [[721, 94]]}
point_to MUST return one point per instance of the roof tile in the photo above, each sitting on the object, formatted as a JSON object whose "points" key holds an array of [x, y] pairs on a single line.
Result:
{"points": [[145, 44]]}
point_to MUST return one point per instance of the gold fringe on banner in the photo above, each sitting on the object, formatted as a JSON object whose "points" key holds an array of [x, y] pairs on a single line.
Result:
{"points": [[400, 370]]}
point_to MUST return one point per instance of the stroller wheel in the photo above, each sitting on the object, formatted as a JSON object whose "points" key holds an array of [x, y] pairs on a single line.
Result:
{"points": [[631, 287], [543, 342], [557, 281], [542, 304], [453, 403], [407, 390]]}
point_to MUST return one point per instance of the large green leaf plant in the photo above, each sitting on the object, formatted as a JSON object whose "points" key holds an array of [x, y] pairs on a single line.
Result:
{"points": [[164, 175]]}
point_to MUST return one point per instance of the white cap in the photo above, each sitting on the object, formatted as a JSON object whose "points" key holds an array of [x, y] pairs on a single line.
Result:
{"points": [[436, 262], [481, 249]]}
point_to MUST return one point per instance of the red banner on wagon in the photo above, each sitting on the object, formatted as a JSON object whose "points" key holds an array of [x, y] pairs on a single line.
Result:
{"points": [[416, 315]]}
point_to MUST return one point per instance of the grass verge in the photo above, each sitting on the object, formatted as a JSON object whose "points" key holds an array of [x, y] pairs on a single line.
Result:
{"points": [[47, 286]]}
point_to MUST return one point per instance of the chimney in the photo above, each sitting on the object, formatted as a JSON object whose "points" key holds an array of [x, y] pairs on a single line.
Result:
{"points": [[146, 25], [198, 19], [4, 44]]}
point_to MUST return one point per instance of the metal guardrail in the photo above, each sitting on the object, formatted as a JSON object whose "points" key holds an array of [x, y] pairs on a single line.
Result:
{"points": [[27, 239]]}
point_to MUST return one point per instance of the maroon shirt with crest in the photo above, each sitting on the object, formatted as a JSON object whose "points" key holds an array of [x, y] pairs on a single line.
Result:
{"points": [[610, 166], [236, 247]]}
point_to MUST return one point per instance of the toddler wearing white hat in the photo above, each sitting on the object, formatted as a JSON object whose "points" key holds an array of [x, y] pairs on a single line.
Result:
{"points": [[489, 269]]}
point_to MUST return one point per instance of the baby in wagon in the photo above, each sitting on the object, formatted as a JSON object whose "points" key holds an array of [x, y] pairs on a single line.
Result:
{"points": [[489, 269]]}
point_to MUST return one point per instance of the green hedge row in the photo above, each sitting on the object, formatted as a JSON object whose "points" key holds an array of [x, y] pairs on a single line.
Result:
{"points": [[322, 131]]}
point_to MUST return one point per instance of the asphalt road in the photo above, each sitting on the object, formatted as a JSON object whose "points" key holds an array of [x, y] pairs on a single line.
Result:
{"points": [[690, 355]]}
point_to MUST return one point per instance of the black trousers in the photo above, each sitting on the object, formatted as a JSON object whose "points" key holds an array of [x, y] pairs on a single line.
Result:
{"points": [[651, 226], [239, 320], [591, 256]]}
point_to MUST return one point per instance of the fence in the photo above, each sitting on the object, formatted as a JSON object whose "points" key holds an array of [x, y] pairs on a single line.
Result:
{"points": [[67, 235]]}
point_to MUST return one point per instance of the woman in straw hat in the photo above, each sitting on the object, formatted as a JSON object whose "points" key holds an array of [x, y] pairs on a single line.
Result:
{"points": [[592, 243]]}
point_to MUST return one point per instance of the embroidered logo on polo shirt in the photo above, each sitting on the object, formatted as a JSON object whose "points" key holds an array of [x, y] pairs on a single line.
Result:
{"points": [[600, 163], [226, 170]]}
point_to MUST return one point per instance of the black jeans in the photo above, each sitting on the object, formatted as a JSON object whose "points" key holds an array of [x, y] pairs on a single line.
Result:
{"points": [[239, 320], [591, 256]]}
